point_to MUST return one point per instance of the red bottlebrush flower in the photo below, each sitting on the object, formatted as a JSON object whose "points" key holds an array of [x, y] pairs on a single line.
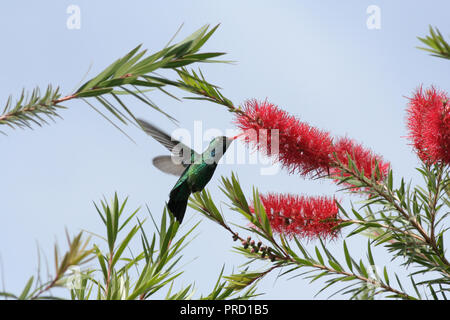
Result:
{"points": [[428, 122], [306, 217], [302, 148], [363, 158]]}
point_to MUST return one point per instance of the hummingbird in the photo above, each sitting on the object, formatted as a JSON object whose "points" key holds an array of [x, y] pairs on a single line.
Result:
{"points": [[194, 170]]}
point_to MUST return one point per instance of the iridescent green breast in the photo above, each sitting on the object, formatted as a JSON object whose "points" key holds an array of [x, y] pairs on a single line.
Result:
{"points": [[199, 175]]}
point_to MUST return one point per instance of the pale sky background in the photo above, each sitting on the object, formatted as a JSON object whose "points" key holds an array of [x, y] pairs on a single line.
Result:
{"points": [[315, 59]]}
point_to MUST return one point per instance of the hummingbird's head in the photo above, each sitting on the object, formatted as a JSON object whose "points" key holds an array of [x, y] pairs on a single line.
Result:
{"points": [[217, 148]]}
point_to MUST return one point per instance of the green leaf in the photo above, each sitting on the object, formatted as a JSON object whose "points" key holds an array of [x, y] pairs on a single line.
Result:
{"points": [[93, 92], [26, 290], [369, 252], [123, 245], [386, 277], [319, 256], [348, 259]]}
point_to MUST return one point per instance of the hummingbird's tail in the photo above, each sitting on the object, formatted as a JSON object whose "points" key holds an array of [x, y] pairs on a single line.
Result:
{"points": [[178, 200]]}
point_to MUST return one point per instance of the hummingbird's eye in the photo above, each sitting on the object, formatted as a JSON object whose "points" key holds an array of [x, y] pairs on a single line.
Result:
{"points": [[213, 153]]}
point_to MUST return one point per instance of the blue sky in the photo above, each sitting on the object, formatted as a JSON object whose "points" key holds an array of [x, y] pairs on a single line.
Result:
{"points": [[315, 59]]}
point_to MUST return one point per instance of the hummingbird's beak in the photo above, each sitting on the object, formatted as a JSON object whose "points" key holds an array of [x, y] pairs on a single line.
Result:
{"points": [[235, 137]]}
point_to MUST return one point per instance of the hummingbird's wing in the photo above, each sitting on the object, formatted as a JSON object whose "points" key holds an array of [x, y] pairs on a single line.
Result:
{"points": [[165, 164], [182, 155]]}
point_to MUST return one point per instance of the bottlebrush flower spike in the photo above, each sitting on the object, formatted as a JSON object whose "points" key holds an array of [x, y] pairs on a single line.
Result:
{"points": [[306, 217], [428, 122], [302, 148], [363, 158]]}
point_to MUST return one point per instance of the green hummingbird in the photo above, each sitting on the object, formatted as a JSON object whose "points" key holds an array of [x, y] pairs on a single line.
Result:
{"points": [[194, 169]]}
